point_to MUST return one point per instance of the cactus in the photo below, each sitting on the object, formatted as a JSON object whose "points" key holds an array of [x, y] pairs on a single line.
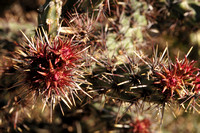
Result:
{"points": [[94, 65], [49, 17]]}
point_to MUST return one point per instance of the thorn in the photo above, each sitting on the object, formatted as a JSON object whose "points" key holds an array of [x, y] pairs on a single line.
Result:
{"points": [[42, 73], [51, 65]]}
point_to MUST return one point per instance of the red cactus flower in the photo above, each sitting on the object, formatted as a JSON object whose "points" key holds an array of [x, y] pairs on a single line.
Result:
{"points": [[177, 77], [50, 66], [141, 126]]}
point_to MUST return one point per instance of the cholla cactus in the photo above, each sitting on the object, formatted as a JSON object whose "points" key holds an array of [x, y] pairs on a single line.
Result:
{"points": [[197, 83], [178, 77], [49, 16], [100, 51], [141, 126], [50, 68]]}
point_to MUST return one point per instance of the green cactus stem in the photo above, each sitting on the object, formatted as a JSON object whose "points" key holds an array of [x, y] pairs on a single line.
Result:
{"points": [[132, 87], [49, 15], [126, 86]]}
